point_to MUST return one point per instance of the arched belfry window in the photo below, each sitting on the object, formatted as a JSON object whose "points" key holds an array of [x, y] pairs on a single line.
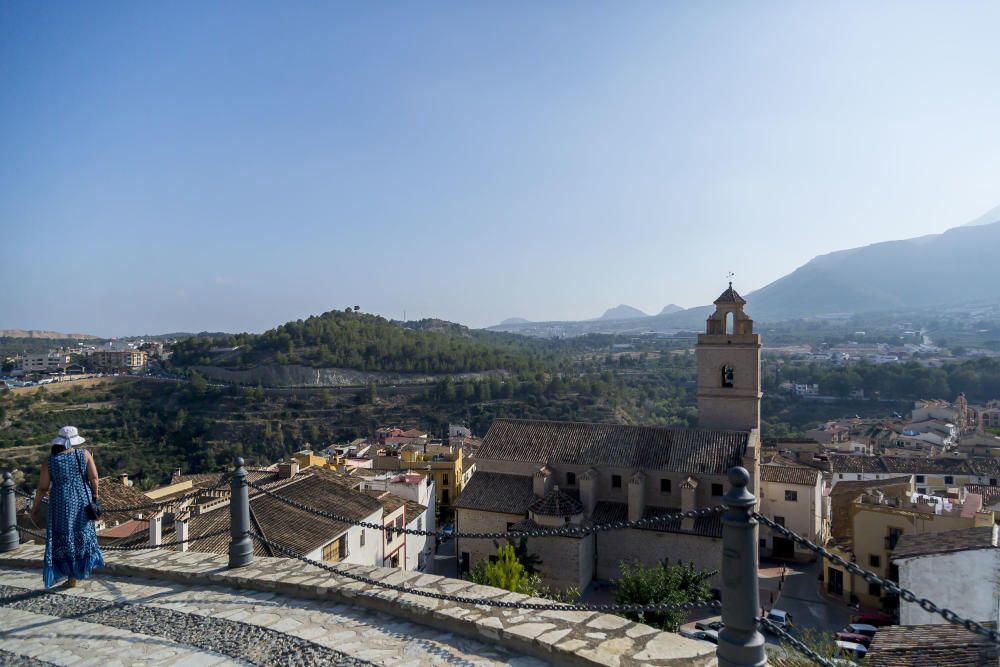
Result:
{"points": [[727, 376]]}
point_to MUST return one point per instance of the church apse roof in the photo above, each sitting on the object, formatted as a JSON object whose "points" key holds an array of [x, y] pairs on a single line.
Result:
{"points": [[556, 503]]}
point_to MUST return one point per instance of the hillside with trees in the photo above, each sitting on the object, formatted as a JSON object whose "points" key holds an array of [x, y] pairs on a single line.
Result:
{"points": [[354, 340]]}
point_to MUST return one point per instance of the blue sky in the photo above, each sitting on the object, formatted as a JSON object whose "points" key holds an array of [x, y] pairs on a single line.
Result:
{"points": [[230, 166]]}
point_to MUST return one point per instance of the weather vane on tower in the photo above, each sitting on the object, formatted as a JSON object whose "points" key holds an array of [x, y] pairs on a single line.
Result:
{"points": [[729, 277]]}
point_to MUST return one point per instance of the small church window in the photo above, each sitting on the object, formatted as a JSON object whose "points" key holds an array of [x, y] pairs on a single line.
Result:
{"points": [[727, 376]]}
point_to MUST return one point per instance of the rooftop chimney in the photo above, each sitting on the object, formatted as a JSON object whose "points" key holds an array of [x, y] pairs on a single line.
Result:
{"points": [[588, 490], [543, 481], [637, 496], [689, 490], [288, 470], [123, 478]]}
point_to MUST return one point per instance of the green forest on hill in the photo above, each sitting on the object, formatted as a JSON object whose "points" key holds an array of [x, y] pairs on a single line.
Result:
{"points": [[348, 339]]}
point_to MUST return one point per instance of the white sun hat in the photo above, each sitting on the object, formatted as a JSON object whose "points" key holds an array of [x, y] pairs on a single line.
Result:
{"points": [[68, 437]]}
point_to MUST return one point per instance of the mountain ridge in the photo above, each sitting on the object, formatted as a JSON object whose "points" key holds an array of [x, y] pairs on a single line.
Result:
{"points": [[954, 266]]}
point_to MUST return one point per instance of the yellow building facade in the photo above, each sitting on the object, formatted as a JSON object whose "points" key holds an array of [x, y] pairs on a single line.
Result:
{"points": [[442, 463]]}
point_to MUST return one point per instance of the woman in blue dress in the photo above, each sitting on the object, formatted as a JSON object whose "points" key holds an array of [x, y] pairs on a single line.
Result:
{"points": [[70, 479]]}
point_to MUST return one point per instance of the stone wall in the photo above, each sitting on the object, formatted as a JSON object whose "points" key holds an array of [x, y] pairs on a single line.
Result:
{"points": [[474, 521], [560, 637], [650, 547]]}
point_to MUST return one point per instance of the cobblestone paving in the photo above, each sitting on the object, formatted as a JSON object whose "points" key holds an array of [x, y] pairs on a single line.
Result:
{"points": [[251, 643], [15, 660], [42, 639], [250, 626]]}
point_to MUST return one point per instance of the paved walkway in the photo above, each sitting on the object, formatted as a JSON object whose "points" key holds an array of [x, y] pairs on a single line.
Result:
{"points": [[113, 620]]}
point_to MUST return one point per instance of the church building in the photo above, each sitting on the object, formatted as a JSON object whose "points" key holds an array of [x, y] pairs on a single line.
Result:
{"points": [[532, 474]]}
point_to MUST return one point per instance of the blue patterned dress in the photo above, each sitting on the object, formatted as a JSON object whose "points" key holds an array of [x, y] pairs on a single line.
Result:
{"points": [[71, 546]]}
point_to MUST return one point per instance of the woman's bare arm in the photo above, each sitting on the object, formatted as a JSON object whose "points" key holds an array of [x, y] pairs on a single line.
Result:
{"points": [[91, 472], [43, 488]]}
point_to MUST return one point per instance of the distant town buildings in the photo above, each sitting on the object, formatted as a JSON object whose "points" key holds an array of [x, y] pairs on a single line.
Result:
{"points": [[129, 360]]}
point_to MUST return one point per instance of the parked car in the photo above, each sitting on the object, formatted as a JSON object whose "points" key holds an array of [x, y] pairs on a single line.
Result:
{"points": [[703, 635], [780, 618], [709, 625], [854, 638], [850, 651], [861, 629], [876, 619]]}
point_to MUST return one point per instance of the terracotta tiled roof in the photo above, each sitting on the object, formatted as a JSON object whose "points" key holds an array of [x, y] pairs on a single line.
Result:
{"points": [[413, 510], [126, 529], [943, 645], [918, 465], [113, 493], [789, 474], [990, 494], [556, 503], [852, 463], [687, 450], [287, 525], [924, 544], [198, 481], [390, 502], [987, 467], [528, 524], [497, 492]]}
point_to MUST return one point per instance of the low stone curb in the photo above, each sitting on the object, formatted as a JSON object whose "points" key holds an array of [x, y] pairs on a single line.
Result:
{"points": [[564, 638]]}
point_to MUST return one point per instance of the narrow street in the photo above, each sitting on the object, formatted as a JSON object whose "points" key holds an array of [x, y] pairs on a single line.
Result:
{"points": [[444, 563], [800, 597]]}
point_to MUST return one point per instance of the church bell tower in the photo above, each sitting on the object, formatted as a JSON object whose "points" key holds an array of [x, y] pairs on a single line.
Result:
{"points": [[729, 368]]}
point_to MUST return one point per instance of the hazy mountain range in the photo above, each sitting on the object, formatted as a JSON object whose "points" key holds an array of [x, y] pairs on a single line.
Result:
{"points": [[958, 266]]}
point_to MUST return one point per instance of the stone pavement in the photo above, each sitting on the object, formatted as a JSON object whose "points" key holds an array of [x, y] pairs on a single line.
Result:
{"points": [[282, 611], [371, 637]]}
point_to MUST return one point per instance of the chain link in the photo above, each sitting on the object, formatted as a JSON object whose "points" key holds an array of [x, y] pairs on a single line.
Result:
{"points": [[796, 644], [166, 544], [179, 499], [890, 586], [153, 504], [32, 533], [461, 599], [567, 531], [138, 547]]}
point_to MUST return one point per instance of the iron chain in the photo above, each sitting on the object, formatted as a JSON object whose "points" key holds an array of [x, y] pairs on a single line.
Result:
{"points": [[796, 644], [138, 547], [32, 533], [568, 531], [151, 505], [462, 599], [166, 544], [886, 584], [160, 503]]}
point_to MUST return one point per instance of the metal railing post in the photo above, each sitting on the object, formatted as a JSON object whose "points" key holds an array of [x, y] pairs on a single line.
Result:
{"points": [[240, 546], [9, 538], [740, 643]]}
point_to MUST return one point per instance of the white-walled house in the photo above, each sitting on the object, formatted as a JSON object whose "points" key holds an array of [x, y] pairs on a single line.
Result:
{"points": [[418, 498], [957, 569]]}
